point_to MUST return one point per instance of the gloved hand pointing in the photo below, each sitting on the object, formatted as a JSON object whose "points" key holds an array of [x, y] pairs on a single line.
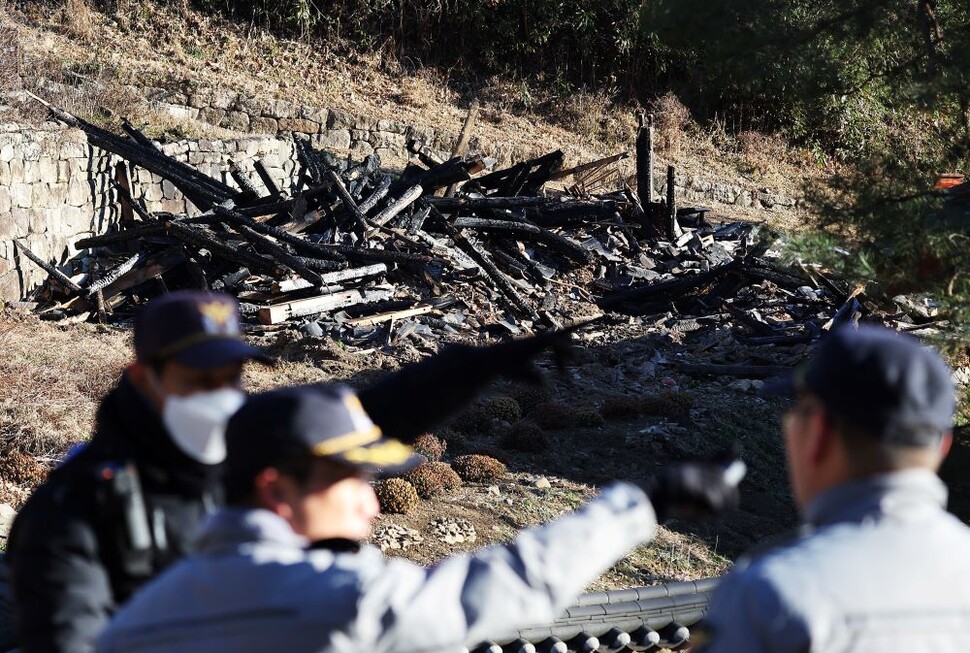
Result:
{"points": [[698, 489]]}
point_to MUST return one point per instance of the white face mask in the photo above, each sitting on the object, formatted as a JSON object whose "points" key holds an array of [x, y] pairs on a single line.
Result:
{"points": [[197, 422]]}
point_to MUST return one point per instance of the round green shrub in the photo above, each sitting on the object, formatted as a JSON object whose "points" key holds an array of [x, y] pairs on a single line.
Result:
{"points": [[503, 408], [396, 495], [529, 396], [430, 446], [433, 477], [550, 415], [587, 416], [526, 436], [476, 468], [22, 469]]}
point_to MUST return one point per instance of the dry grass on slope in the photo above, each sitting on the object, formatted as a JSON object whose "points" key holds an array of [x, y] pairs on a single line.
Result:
{"points": [[50, 380]]}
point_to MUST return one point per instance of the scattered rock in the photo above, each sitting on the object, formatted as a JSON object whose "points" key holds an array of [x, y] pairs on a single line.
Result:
{"points": [[961, 376], [312, 330], [7, 513], [453, 530], [393, 537], [542, 483]]}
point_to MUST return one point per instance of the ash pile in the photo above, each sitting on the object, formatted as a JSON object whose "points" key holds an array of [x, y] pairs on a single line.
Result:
{"points": [[441, 250]]}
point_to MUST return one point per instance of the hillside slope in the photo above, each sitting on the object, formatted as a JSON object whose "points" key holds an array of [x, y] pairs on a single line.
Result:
{"points": [[101, 58]]}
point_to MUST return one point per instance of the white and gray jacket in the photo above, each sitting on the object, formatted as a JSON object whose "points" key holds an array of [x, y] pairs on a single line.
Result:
{"points": [[254, 587], [880, 566]]}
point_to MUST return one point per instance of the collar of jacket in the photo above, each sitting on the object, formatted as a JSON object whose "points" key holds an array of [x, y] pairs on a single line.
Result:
{"points": [[232, 528], [129, 428], [894, 493]]}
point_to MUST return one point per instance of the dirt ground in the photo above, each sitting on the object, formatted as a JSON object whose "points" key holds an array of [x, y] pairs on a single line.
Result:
{"points": [[48, 395]]}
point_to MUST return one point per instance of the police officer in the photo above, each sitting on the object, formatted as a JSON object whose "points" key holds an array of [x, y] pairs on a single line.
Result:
{"points": [[282, 567], [879, 564], [124, 507], [127, 505]]}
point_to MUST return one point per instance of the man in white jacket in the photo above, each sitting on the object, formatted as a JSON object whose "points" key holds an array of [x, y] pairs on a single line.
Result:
{"points": [[282, 569]]}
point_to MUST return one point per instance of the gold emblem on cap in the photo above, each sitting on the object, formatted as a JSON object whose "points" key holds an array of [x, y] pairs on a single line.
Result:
{"points": [[218, 315]]}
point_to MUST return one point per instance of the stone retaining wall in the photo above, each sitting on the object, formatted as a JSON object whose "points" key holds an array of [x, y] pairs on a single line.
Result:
{"points": [[56, 190], [359, 136]]}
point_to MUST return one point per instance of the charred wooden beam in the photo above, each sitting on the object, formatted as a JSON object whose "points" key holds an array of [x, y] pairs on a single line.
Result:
{"points": [[531, 232], [376, 195], [131, 233], [472, 203], [671, 228], [322, 265], [124, 193], [322, 304], [398, 205], [491, 271], [150, 267], [245, 227], [242, 180], [588, 167], [59, 277], [452, 171], [333, 278], [277, 252], [667, 291], [348, 201], [267, 180], [299, 244], [380, 255], [644, 147], [114, 274], [201, 238]]}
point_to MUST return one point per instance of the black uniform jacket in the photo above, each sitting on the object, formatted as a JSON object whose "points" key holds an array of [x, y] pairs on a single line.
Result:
{"points": [[72, 554]]}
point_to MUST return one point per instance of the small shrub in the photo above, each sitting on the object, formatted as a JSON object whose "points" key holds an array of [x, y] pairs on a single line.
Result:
{"points": [[431, 478], [672, 122], [587, 416], [526, 436], [621, 407], [529, 396], [471, 421], [550, 415], [13, 496], [396, 495], [430, 446], [506, 409], [476, 468], [455, 441], [22, 469], [667, 404]]}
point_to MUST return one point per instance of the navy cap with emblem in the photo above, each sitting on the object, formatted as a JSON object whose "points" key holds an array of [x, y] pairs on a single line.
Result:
{"points": [[879, 379], [198, 329], [321, 421]]}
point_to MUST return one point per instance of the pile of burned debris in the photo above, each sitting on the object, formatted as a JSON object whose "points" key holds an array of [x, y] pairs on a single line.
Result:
{"points": [[442, 249]]}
